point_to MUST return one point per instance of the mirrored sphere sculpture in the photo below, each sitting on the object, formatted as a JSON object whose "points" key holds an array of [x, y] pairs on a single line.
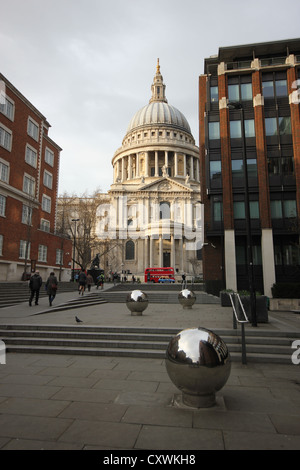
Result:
{"points": [[198, 363], [137, 302], [187, 298]]}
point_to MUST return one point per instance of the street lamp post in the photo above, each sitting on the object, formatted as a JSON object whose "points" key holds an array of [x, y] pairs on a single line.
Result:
{"points": [[74, 247], [237, 105]]}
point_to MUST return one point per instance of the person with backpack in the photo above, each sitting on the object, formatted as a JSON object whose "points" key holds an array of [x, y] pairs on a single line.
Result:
{"points": [[82, 281], [35, 283], [51, 287]]}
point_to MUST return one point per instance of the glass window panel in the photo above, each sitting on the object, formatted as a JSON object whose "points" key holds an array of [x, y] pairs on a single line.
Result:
{"points": [[273, 166], [254, 209], [246, 91], [240, 255], [281, 87], [249, 128], [291, 255], [277, 255], [235, 129], [271, 126], [252, 168], [256, 253], [284, 125], [287, 166], [268, 89], [214, 94], [276, 209], [214, 130], [237, 168], [239, 210], [233, 93], [218, 211], [215, 169], [289, 208]]}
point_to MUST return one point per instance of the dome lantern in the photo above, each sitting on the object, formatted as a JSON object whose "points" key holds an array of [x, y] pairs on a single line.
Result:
{"points": [[158, 87]]}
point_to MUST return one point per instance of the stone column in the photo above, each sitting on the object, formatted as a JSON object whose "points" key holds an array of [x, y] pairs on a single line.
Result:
{"points": [[156, 164], [176, 164], [230, 261], [268, 264], [129, 167], [184, 165], [123, 169], [146, 163], [137, 165], [160, 250], [192, 167], [173, 251]]}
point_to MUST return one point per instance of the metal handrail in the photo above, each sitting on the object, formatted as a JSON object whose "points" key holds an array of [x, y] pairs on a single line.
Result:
{"points": [[237, 320]]}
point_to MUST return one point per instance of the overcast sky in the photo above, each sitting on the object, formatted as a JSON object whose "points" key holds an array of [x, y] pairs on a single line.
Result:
{"points": [[88, 65]]}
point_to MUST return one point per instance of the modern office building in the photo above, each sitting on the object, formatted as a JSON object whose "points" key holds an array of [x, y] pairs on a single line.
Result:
{"points": [[29, 170], [250, 165]]}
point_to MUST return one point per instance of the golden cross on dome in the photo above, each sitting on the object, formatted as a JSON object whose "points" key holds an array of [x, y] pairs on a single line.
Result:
{"points": [[157, 67]]}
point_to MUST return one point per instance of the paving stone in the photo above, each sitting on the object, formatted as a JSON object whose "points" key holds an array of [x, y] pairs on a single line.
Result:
{"points": [[104, 412], [175, 438], [32, 427], [260, 441], [33, 407], [118, 435]]}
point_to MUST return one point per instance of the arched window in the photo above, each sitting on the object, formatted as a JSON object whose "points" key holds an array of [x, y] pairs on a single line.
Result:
{"points": [[129, 250], [164, 210]]}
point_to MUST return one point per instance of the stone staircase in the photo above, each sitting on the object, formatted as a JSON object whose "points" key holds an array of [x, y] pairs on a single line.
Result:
{"points": [[262, 346], [13, 293]]}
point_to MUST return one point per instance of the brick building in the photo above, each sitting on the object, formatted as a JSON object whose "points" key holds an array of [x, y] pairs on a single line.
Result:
{"points": [[249, 112], [29, 170]]}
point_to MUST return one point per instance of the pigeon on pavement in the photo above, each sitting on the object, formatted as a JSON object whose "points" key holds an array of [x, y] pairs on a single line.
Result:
{"points": [[78, 320]]}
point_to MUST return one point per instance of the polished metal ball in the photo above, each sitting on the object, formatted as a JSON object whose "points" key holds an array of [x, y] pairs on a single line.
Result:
{"points": [[198, 363], [137, 302], [187, 298]]}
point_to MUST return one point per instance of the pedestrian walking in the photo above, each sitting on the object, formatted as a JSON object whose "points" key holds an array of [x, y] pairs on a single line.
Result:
{"points": [[51, 286], [183, 281], [35, 283], [89, 281], [82, 282]]}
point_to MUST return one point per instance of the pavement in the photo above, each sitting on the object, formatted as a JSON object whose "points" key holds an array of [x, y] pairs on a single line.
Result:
{"points": [[71, 402]]}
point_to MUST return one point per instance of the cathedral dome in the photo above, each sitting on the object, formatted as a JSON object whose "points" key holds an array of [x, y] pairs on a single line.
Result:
{"points": [[158, 111]]}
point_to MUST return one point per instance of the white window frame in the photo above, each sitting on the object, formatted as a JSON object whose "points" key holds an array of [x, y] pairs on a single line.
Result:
{"points": [[31, 156], [26, 215], [42, 253], [48, 179], [59, 256], [2, 205], [22, 250], [7, 106], [49, 156], [4, 173], [33, 128], [28, 183], [46, 203], [5, 137], [45, 225]]}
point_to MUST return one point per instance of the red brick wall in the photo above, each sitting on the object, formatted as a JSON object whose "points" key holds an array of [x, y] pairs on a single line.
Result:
{"points": [[11, 226]]}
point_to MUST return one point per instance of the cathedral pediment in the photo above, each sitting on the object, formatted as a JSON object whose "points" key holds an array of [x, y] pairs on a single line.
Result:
{"points": [[166, 184]]}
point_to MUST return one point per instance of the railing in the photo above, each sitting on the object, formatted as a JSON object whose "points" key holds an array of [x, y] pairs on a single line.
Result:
{"points": [[239, 316]]}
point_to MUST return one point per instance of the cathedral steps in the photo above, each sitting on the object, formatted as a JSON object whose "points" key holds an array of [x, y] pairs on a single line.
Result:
{"points": [[13, 293], [262, 346]]}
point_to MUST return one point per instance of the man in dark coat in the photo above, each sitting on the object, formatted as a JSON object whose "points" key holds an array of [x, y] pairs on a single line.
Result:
{"points": [[34, 286]]}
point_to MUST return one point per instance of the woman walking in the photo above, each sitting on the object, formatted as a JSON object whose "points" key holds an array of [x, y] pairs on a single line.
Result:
{"points": [[51, 286]]}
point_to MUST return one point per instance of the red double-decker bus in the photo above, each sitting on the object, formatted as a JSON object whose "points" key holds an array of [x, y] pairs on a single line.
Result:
{"points": [[153, 274]]}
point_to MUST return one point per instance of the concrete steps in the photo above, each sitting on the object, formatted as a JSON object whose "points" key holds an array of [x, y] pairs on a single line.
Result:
{"points": [[158, 297], [13, 293], [262, 346]]}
